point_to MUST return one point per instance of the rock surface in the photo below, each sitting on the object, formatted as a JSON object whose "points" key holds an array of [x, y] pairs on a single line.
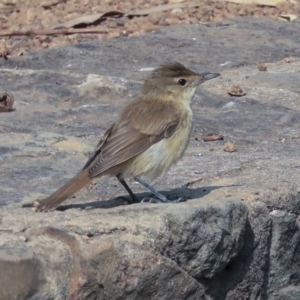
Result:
{"points": [[237, 238], [128, 252]]}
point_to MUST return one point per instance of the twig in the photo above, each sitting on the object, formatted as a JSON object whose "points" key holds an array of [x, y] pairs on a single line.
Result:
{"points": [[51, 31]]}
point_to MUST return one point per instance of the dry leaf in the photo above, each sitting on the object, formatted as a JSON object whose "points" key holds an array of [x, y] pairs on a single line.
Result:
{"points": [[160, 8], [6, 102], [236, 90], [261, 2], [89, 19], [98, 18], [229, 147], [5, 49], [49, 3], [213, 137], [10, 2], [289, 17]]}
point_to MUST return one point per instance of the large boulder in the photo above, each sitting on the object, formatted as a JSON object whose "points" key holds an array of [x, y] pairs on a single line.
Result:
{"points": [[237, 236]]}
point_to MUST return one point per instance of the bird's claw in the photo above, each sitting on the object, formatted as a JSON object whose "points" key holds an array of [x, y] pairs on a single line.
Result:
{"points": [[155, 200]]}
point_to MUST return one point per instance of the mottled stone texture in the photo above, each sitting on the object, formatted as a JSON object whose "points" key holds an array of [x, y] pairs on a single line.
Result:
{"points": [[237, 237]]}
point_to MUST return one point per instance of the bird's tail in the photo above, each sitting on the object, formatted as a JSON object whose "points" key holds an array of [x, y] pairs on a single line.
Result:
{"points": [[63, 193]]}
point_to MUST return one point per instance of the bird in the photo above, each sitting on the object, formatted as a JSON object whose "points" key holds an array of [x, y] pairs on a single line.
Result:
{"points": [[149, 136]]}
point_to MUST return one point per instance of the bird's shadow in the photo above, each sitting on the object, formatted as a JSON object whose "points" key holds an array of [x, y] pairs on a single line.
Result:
{"points": [[185, 192]]}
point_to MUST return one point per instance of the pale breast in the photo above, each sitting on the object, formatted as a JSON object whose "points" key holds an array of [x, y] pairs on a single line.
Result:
{"points": [[159, 158]]}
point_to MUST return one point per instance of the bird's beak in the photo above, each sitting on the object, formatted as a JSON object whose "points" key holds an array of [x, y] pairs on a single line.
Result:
{"points": [[208, 76], [202, 77]]}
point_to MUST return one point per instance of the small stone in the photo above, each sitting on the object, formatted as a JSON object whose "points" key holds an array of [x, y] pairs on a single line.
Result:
{"points": [[262, 67], [20, 273], [155, 18], [120, 22], [176, 12], [287, 60], [277, 213], [124, 33]]}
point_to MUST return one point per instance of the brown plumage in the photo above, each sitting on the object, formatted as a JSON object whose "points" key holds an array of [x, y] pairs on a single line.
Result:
{"points": [[148, 137]]}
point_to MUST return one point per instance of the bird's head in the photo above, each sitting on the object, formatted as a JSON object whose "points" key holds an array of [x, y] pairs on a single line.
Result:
{"points": [[175, 80]]}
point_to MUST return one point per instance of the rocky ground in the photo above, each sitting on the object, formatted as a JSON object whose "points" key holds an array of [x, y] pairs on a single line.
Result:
{"points": [[113, 18], [238, 235]]}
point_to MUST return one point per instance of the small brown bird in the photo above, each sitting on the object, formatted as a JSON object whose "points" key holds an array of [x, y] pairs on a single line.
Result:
{"points": [[147, 138]]}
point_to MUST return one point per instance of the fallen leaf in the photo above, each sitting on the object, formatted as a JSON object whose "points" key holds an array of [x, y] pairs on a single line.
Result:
{"points": [[5, 50], [98, 18], [229, 147], [213, 137], [288, 17], [89, 20], [236, 90], [160, 8], [6, 102], [49, 3], [261, 2], [262, 67]]}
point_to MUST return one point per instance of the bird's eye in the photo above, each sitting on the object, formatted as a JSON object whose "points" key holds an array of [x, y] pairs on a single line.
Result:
{"points": [[182, 82]]}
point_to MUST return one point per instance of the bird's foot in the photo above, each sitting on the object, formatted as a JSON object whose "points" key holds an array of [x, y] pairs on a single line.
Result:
{"points": [[127, 200], [156, 200]]}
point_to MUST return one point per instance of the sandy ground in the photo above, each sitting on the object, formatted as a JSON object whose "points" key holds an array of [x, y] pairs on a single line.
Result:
{"points": [[24, 15]]}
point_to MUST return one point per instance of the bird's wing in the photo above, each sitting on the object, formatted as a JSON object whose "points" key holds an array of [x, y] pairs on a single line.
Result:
{"points": [[139, 127], [98, 147]]}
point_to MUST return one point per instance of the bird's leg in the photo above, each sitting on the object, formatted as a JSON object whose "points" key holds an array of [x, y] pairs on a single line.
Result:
{"points": [[161, 197], [134, 199]]}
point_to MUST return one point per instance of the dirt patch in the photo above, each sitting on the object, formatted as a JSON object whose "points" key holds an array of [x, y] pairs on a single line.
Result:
{"points": [[31, 15]]}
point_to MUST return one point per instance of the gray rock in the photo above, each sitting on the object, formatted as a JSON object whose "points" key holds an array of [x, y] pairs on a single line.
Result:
{"points": [[21, 273], [238, 236], [289, 293], [284, 271], [130, 252]]}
